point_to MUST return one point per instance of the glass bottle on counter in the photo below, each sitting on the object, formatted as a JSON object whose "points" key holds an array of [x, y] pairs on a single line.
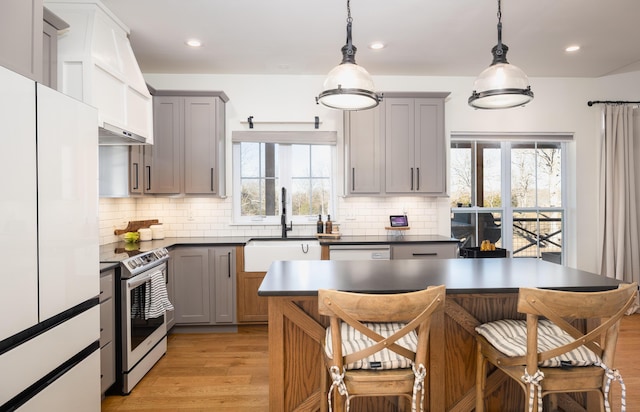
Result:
{"points": [[328, 226], [320, 225]]}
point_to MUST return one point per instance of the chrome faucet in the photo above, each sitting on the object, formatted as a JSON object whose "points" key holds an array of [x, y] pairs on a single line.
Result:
{"points": [[283, 217]]}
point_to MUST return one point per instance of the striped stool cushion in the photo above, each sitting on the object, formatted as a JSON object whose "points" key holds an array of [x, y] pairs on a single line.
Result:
{"points": [[353, 340], [510, 337]]}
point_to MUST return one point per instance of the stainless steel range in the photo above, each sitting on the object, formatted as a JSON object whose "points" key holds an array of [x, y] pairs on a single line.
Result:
{"points": [[142, 329]]}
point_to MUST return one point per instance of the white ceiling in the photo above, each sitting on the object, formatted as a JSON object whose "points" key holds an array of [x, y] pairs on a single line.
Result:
{"points": [[423, 37]]}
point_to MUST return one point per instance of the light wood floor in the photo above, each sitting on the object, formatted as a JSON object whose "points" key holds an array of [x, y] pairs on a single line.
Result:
{"points": [[229, 372]]}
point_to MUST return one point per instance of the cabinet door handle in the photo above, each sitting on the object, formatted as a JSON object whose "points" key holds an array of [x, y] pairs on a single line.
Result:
{"points": [[418, 178], [412, 178], [229, 263], [136, 180], [212, 179], [353, 179], [426, 254], [148, 177]]}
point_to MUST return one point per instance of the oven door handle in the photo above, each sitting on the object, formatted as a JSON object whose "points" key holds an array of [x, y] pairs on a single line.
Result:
{"points": [[137, 281]]}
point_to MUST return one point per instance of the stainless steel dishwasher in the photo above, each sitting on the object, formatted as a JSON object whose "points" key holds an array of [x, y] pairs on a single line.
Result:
{"points": [[359, 252]]}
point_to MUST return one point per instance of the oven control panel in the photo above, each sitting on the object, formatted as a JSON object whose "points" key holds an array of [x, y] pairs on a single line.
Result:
{"points": [[146, 260]]}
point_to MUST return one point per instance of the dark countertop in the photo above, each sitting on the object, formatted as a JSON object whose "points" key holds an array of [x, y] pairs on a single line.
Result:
{"points": [[116, 252], [106, 266], [305, 277]]}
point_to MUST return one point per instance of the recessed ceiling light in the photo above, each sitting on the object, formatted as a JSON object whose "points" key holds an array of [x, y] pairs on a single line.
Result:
{"points": [[193, 43], [377, 45], [572, 48]]}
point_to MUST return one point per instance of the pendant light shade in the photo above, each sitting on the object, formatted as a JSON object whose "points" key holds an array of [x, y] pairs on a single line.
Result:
{"points": [[501, 85], [348, 86]]}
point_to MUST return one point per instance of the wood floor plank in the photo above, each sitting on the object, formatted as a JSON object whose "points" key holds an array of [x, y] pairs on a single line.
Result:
{"points": [[230, 372]]}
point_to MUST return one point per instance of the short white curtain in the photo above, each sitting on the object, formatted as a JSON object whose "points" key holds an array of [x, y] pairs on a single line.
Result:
{"points": [[618, 240]]}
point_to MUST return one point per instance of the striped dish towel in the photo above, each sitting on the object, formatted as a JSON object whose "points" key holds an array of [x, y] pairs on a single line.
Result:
{"points": [[157, 301]]}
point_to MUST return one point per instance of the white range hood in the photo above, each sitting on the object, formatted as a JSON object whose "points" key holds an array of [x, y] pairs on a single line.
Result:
{"points": [[96, 65]]}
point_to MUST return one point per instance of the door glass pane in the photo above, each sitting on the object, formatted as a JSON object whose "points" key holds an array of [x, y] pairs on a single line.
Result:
{"points": [[489, 175], [471, 228], [490, 227], [461, 174], [537, 234], [523, 175], [551, 236], [549, 175]]}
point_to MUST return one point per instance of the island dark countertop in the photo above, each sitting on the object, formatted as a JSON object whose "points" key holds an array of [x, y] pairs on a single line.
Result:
{"points": [[304, 278]]}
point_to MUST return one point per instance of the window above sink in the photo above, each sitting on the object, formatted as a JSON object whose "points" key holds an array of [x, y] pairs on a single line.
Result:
{"points": [[302, 162]]}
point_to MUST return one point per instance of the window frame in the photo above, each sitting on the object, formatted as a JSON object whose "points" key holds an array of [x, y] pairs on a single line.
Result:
{"points": [[507, 211], [284, 140]]}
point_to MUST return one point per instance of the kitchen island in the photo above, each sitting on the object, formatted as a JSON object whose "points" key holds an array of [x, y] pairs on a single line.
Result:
{"points": [[478, 290]]}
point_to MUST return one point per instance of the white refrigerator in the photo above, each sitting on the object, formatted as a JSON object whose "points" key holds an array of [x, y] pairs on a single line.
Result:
{"points": [[49, 278]]}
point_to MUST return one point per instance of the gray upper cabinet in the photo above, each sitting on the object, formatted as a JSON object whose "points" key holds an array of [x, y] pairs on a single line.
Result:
{"points": [[163, 160], [30, 49], [398, 148], [415, 150], [20, 43], [203, 144], [21, 29], [363, 144], [51, 25], [136, 170], [188, 152]]}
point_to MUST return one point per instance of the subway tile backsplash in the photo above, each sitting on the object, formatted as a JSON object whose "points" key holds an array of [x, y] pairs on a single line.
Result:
{"points": [[196, 217]]}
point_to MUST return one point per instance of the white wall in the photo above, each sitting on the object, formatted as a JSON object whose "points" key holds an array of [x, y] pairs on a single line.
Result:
{"points": [[559, 106]]}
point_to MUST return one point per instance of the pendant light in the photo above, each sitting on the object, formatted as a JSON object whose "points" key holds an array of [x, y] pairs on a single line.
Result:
{"points": [[348, 86], [501, 85]]}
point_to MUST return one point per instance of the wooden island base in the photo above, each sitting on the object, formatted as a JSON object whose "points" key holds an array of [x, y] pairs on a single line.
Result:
{"points": [[296, 333], [478, 291]]}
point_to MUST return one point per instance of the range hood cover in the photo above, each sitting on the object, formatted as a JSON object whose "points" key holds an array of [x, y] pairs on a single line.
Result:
{"points": [[110, 135], [96, 65]]}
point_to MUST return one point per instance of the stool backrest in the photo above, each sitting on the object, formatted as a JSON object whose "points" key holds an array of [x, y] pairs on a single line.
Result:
{"points": [[415, 309], [562, 308]]}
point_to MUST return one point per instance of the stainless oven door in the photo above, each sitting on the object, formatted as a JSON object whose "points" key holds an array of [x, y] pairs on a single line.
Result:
{"points": [[140, 334]]}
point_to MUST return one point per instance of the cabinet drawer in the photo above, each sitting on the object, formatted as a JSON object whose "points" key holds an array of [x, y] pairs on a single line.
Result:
{"points": [[425, 251], [106, 322], [106, 285], [107, 366]]}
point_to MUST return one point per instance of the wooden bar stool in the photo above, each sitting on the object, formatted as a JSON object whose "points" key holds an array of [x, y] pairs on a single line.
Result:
{"points": [[547, 354], [376, 344]]}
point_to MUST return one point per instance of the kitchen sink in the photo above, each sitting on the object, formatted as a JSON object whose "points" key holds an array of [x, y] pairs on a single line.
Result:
{"points": [[260, 252]]}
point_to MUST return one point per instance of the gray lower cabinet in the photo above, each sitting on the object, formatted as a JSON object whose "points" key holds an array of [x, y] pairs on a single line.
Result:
{"points": [[188, 152], [447, 250], [170, 315], [398, 148], [107, 330], [204, 285]]}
